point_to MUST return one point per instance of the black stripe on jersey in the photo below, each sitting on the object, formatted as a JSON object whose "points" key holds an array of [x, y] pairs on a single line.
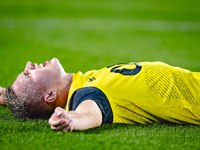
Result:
{"points": [[95, 94]]}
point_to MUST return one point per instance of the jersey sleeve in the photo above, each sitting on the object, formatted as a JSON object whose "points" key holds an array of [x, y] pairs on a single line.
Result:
{"points": [[95, 94]]}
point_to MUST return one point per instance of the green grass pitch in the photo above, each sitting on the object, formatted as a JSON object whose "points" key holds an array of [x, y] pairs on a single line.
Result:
{"points": [[86, 35]]}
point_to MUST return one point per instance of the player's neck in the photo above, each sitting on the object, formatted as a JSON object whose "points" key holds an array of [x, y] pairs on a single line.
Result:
{"points": [[63, 94]]}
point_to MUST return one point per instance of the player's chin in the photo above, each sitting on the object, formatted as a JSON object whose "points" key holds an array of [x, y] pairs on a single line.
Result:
{"points": [[56, 63], [55, 60]]}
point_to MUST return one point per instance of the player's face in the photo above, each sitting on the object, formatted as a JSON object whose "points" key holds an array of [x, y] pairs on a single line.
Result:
{"points": [[46, 76]]}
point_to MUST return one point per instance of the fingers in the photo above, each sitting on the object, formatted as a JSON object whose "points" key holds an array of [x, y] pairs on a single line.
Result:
{"points": [[69, 127], [58, 113], [56, 122], [60, 121], [54, 118], [65, 126]]}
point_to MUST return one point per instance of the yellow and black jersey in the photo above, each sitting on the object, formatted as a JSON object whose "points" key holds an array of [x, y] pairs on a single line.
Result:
{"points": [[144, 92]]}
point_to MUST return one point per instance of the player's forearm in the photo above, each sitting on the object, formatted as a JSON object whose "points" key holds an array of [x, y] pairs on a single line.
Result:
{"points": [[82, 121], [87, 115]]}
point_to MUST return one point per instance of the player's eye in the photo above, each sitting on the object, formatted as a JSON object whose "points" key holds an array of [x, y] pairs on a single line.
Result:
{"points": [[25, 72]]}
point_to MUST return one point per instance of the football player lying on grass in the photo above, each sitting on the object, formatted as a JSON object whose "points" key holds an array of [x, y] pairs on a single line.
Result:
{"points": [[132, 93]]}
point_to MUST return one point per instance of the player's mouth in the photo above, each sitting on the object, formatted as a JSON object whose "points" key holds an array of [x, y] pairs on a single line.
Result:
{"points": [[36, 66], [46, 63]]}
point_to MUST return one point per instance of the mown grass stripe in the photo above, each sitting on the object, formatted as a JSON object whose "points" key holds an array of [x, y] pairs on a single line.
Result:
{"points": [[100, 24]]}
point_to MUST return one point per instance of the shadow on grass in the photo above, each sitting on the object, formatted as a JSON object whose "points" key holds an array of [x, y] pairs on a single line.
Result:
{"points": [[11, 124], [118, 128]]}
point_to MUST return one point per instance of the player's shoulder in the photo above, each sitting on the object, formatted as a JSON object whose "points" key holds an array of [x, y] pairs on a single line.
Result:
{"points": [[95, 94], [85, 93]]}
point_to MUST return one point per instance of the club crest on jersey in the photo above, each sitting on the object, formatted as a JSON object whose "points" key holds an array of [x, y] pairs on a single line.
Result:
{"points": [[92, 79]]}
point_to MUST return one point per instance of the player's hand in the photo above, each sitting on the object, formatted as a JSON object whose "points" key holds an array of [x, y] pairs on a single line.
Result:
{"points": [[2, 96], [60, 121]]}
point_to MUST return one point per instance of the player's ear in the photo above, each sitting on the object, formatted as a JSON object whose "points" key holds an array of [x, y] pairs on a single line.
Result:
{"points": [[50, 98]]}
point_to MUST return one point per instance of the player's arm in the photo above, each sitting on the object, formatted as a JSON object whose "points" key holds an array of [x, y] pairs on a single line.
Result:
{"points": [[87, 115], [2, 96]]}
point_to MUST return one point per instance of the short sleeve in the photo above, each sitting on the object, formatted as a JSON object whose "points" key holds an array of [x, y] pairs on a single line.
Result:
{"points": [[95, 94]]}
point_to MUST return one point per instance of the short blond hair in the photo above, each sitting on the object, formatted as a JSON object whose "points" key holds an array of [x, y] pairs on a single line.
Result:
{"points": [[19, 108], [27, 103]]}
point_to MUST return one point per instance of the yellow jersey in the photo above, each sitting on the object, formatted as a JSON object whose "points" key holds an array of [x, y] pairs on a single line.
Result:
{"points": [[144, 92]]}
